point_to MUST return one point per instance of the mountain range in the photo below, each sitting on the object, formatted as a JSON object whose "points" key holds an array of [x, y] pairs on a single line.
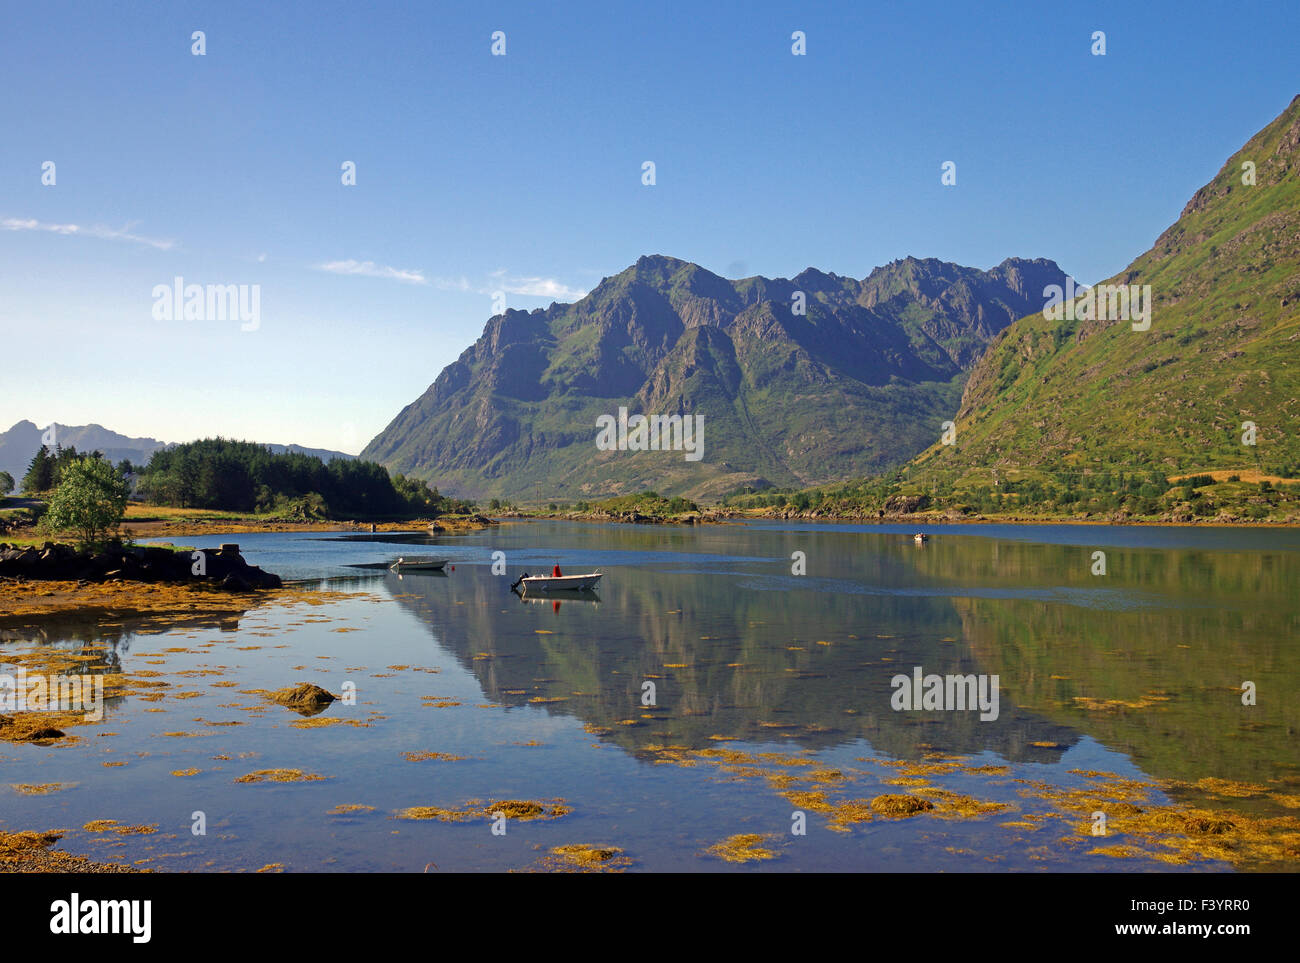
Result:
{"points": [[822, 378], [1205, 376], [799, 381]]}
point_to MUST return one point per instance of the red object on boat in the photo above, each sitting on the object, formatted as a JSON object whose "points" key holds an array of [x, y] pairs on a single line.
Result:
{"points": [[555, 572]]}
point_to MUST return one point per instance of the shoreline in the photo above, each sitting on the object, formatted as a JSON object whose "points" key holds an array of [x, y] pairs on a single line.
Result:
{"points": [[31, 602], [25, 851], [739, 515], [158, 527]]}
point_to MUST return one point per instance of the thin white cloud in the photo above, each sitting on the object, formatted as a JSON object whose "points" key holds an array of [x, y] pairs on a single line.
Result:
{"points": [[91, 230], [369, 269], [535, 287], [542, 288], [453, 284]]}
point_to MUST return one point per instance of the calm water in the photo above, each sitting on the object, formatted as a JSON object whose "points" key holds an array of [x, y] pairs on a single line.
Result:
{"points": [[1136, 673]]}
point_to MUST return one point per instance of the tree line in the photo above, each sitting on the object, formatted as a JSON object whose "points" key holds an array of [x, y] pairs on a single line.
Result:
{"points": [[1069, 492], [46, 469], [241, 476]]}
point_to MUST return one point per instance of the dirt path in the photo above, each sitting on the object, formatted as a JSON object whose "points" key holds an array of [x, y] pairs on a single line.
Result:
{"points": [[7, 503]]}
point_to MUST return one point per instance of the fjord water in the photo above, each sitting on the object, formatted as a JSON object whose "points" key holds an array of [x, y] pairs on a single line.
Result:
{"points": [[1137, 672]]}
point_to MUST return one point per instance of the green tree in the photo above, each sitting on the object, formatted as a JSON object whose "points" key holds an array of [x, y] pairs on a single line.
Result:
{"points": [[6, 483], [63, 458], [89, 502], [40, 472]]}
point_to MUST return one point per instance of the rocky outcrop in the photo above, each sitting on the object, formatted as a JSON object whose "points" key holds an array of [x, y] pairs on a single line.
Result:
{"points": [[906, 504], [223, 567], [305, 698]]}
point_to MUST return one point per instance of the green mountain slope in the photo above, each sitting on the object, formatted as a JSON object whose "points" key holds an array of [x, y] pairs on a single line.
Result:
{"points": [[1223, 348], [858, 383]]}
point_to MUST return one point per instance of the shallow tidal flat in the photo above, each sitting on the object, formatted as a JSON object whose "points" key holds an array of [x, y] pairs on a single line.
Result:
{"points": [[462, 710]]}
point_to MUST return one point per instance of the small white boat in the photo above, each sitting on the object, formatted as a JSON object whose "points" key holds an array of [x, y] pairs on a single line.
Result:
{"points": [[921, 537], [418, 564], [536, 584]]}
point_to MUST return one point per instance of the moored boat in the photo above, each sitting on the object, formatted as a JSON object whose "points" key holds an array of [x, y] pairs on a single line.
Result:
{"points": [[418, 564], [557, 583]]}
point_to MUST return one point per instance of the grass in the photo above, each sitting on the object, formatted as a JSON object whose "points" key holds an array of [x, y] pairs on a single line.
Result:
{"points": [[1220, 350], [137, 512]]}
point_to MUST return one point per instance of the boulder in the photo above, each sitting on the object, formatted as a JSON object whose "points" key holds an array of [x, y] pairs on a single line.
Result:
{"points": [[145, 564], [906, 504]]}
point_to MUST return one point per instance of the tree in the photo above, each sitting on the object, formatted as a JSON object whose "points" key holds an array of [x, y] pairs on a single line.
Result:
{"points": [[6, 483], [63, 458], [90, 501], [40, 472]]}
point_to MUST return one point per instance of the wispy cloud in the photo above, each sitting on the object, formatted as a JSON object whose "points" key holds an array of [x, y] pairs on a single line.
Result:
{"points": [[84, 230], [536, 287], [369, 269], [532, 287], [543, 288], [454, 284]]}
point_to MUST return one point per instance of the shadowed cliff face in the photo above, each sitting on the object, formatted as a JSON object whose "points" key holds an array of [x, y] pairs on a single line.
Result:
{"points": [[800, 381]]}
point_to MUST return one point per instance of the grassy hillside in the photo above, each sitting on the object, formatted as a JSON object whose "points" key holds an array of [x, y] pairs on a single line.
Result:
{"points": [[1223, 348]]}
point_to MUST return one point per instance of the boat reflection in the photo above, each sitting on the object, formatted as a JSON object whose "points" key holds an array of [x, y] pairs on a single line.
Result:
{"points": [[558, 596]]}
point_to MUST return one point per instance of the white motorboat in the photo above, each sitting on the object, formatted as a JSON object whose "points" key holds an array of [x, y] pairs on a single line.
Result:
{"points": [[538, 584]]}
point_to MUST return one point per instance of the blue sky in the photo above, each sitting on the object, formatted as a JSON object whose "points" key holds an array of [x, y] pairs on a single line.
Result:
{"points": [[522, 173]]}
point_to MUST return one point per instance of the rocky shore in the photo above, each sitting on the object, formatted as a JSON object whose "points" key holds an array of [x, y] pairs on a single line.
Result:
{"points": [[630, 517], [224, 567], [28, 852]]}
